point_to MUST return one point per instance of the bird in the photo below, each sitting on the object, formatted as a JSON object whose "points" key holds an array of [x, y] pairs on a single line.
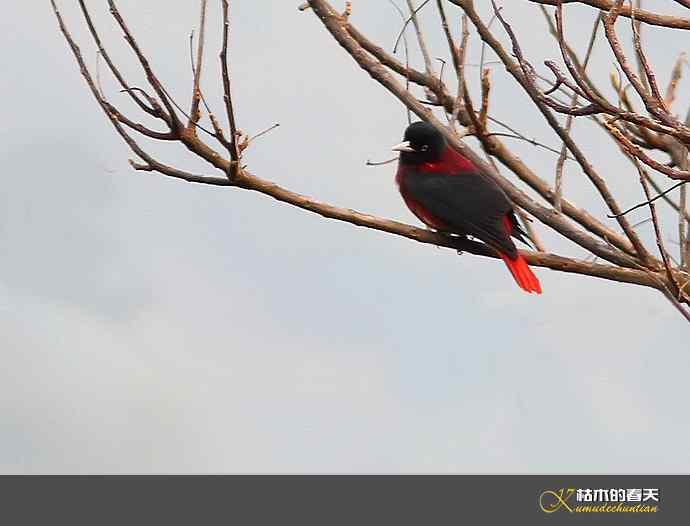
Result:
{"points": [[448, 193]]}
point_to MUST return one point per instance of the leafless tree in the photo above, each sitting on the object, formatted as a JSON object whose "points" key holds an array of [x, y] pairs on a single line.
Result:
{"points": [[640, 122]]}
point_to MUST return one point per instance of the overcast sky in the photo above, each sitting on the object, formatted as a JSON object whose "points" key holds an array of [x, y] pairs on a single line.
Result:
{"points": [[153, 326]]}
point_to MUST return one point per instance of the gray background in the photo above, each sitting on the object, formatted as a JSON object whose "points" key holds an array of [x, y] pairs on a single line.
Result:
{"points": [[149, 325]]}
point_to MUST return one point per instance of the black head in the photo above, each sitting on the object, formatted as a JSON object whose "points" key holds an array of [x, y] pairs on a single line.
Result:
{"points": [[423, 144]]}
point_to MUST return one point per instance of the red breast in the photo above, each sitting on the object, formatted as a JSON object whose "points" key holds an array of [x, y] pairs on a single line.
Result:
{"points": [[451, 163]]}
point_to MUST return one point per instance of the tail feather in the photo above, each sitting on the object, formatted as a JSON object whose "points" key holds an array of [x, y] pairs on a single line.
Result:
{"points": [[522, 273]]}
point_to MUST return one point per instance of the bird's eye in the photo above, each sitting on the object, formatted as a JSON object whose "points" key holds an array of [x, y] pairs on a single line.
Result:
{"points": [[424, 148]]}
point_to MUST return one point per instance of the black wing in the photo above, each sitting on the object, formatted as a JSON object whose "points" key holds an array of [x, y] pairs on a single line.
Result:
{"points": [[469, 203]]}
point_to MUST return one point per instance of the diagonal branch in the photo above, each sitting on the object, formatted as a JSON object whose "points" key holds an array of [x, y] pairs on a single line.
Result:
{"points": [[153, 80], [648, 17], [653, 102], [420, 37], [156, 111]]}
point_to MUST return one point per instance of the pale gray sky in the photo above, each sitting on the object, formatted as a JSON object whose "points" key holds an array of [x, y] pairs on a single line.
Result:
{"points": [[149, 325]]}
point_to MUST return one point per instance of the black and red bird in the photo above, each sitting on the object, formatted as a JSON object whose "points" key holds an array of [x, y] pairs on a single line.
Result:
{"points": [[449, 194]]}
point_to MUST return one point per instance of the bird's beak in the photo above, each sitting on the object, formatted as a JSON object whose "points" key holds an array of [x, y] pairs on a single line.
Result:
{"points": [[403, 147]]}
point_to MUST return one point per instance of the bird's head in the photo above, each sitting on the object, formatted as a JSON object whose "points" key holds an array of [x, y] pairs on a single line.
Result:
{"points": [[422, 144]]}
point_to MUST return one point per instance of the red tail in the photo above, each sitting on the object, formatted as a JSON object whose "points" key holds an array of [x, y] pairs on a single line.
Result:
{"points": [[522, 274]]}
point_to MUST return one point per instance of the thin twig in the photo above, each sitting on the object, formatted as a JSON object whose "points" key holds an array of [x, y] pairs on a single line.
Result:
{"points": [[227, 94], [405, 24], [428, 64], [174, 123], [194, 113], [659, 190], [657, 231], [645, 203], [569, 119], [647, 17], [113, 68], [381, 163], [406, 47], [676, 75], [264, 132]]}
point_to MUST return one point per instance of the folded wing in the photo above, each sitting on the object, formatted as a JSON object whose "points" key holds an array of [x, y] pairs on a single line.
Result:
{"points": [[467, 203]]}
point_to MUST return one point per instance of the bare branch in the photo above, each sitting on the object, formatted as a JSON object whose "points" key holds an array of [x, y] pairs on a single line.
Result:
{"points": [[657, 231], [152, 110], [676, 75], [569, 119], [654, 102], [635, 151], [598, 181], [625, 275], [420, 36], [194, 113], [658, 196], [153, 80], [674, 22], [227, 97]]}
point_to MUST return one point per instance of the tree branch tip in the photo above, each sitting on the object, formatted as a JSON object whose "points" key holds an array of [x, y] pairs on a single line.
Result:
{"points": [[261, 133], [143, 167], [380, 163]]}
